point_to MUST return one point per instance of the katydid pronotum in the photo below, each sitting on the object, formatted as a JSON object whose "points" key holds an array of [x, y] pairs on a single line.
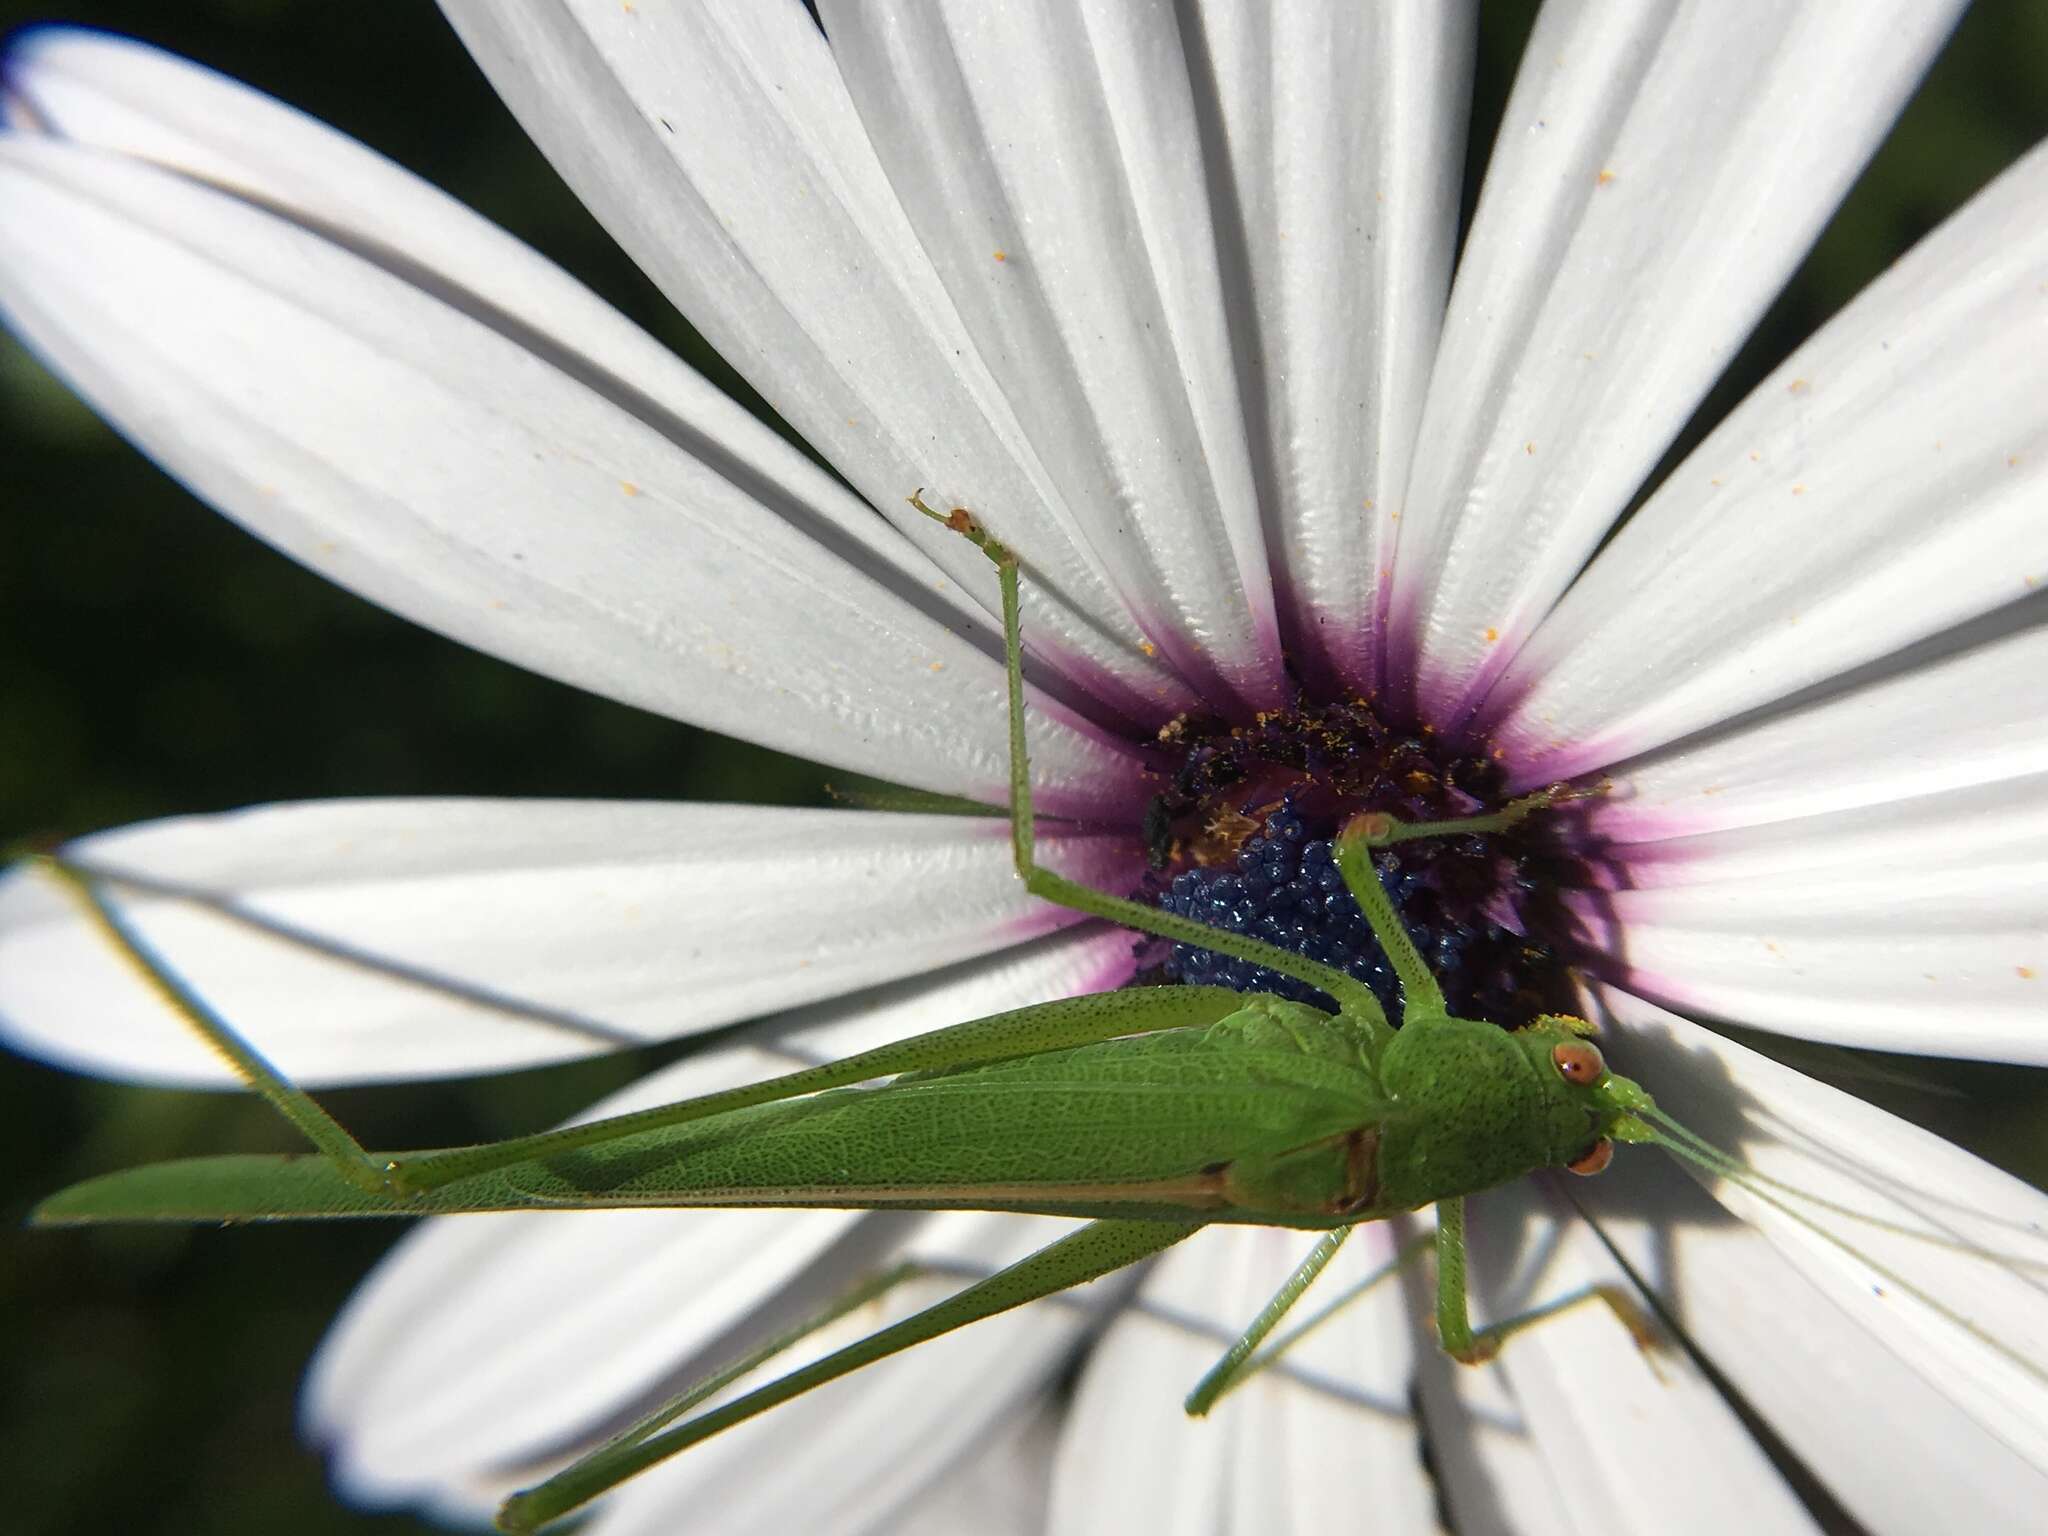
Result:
{"points": [[1203, 1105]]}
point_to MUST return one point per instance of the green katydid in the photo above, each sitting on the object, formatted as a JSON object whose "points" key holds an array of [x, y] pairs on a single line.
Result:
{"points": [[1154, 1111]]}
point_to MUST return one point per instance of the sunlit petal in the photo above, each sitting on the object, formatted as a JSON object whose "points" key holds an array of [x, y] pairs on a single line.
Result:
{"points": [[364, 940], [446, 469], [718, 145], [1066, 211], [1335, 195], [1883, 484], [1659, 171]]}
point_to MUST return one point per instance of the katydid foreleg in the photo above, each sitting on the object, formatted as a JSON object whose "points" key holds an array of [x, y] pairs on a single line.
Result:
{"points": [[1475, 1346]]}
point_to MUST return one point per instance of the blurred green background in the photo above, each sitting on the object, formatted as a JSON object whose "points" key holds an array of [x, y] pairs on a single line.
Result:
{"points": [[155, 660]]}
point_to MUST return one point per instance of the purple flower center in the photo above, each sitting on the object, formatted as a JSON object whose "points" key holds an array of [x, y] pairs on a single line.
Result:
{"points": [[1241, 835]]}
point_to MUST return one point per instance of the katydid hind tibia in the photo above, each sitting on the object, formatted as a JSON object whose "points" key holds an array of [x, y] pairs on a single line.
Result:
{"points": [[1155, 1111]]}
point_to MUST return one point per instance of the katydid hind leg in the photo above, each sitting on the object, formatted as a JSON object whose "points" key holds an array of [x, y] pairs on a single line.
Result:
{"points": [[318, 1127], [1049, 885], [1095, 1250], [873, 1288]]}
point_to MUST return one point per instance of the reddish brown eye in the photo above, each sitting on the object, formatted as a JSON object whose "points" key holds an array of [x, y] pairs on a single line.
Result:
{"points": [[1593, 1159], [1579, 1062]]}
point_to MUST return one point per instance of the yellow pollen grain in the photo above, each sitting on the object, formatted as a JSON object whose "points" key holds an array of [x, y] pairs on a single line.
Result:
{"points": [[1799, 490], [2026, 972], [938, 666], [1797, 387], [1002, 255], [1492, 634], [1148, 647], [1528, 447], [2012, 461], [1604, 178], [629, 488]]}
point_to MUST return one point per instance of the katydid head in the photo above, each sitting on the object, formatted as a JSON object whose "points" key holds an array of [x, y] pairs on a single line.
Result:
{"points": [[1576, 1072]]}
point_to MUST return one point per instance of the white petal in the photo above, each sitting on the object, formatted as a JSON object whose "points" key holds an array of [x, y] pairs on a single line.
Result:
{"points": [[1303, 1447], [117, 94], [1916, 925], [1936, 729], [1901, 1458], [485, 1341], [718, 145], [1618, 1427], [1048, 156], [367, 940], [1940, 1255], [998, 1488], [449, 471], [1992, 827], [1344, 129], [1659, 172], [1882, 485]]}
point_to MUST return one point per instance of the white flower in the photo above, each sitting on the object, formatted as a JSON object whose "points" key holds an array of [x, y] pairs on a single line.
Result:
{"points": [[1160, 292]]}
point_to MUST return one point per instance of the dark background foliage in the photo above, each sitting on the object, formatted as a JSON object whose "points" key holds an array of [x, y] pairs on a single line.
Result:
{"points": [[156, 660]]}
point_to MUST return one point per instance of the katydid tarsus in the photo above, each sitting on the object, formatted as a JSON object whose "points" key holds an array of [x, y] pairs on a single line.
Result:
{"points": [[1154, 1111]]}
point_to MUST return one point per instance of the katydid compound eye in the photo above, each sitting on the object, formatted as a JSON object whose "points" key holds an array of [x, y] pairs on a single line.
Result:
{"points": [[1579, 1062], [1593, 1159]]}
